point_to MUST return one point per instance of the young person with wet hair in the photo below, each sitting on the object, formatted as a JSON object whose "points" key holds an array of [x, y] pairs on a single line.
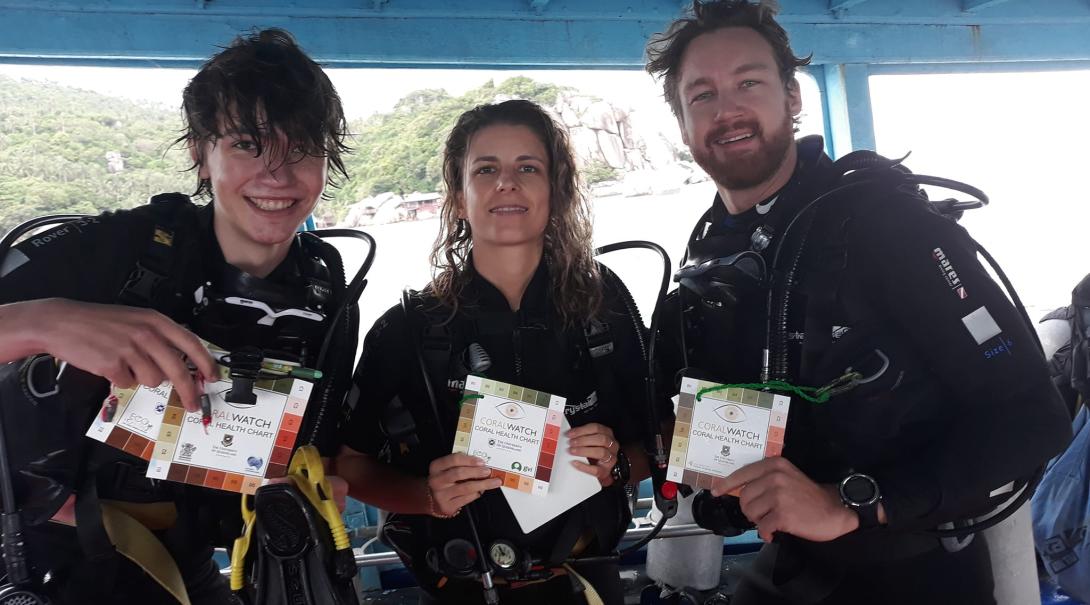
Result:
{"points": [[938, 413], [125, 295], [515, 278]]}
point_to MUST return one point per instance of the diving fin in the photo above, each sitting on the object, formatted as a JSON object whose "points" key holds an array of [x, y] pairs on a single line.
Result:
{"points": [[295, 549]]}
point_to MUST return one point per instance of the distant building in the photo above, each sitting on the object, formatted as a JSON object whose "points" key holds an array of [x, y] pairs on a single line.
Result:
{"points": [[419, 206], [390, 207]]}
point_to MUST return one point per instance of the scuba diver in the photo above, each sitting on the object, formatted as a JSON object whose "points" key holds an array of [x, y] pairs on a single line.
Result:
{"points": [[1066, 335], [122, 298], [840, 279], [517, 297]]}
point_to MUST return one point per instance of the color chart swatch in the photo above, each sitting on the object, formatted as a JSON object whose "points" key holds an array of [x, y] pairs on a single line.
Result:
{"points": [[134, 424], [513, 429], [723, 431], [244, 444]]}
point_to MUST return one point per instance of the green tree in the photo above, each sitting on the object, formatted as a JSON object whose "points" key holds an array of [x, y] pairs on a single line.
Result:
{"points": [[54, 147], [56, 143], [401, 151]]}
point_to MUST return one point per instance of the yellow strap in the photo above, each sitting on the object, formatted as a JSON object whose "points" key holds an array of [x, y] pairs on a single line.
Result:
{"points": [[137, 544], [308, 475], [589, 593], [242, 545], [152, 515]]}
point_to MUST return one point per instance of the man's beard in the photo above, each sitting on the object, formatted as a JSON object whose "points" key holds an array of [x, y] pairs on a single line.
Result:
{"points": [[749, 170]]}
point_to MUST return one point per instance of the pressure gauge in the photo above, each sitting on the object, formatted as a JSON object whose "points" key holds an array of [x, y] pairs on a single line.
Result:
{"points": [[503, 554]]}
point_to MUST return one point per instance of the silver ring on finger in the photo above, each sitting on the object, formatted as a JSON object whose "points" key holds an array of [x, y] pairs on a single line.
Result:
{"points": [[610, 446], [608, 458]]}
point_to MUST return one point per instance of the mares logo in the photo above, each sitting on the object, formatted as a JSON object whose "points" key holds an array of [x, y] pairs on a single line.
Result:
{"points": [[948, 273]]}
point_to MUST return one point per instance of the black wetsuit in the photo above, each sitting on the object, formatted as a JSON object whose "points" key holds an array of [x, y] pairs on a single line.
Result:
{"points": [[527, 348], [964, 407], [1069, 364], [91, 260]]}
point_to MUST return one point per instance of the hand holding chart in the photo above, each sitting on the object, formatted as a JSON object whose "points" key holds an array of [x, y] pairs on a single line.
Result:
{"points": [[720, 429], [513, 429]]}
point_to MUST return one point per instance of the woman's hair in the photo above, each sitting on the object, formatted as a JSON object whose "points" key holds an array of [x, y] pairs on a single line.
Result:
{"points": [[576, 289]]}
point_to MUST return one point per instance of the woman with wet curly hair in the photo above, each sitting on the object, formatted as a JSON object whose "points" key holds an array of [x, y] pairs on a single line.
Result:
{"points": [[514, 295]]}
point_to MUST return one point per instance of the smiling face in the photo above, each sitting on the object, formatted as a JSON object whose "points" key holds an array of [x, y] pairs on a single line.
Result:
{"points": [[259, 200], [735, 110], [505, 193]]}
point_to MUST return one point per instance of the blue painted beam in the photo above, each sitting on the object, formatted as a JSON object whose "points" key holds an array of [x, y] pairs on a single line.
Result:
{"points": [[1007, 67], [976, 5], [510, 34], [842, 5], [849, 122]]}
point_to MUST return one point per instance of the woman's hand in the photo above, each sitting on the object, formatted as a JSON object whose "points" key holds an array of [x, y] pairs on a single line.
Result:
{"points": [[596, 442], [456, 480]]}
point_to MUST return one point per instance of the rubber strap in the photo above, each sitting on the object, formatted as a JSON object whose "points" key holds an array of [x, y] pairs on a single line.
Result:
{"points": [[137, 544], [589, 593]]}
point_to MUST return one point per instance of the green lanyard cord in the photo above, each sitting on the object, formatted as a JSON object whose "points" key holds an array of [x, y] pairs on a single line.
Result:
{"points": [[466, 398], [811, 394]]}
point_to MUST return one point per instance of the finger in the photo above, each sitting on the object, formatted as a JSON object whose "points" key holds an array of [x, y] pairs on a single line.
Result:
{"points": [[594, 453], [143, 368], [758, 488], [768, 527], [174, 369], [461, 501], [740, 477], [184, 341], [596, 439], [591, 469], [119, 374], [756, 509], [461, 473], [452, 460], [587, 429], [467, 487]]}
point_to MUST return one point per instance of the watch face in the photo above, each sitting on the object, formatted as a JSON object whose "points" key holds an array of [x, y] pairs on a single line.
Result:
{"points": [[859, 489], [503, 555]]}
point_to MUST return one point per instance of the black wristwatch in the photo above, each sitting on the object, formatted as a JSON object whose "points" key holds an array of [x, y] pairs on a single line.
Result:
{"points": [[860, 493], [622, 470]]}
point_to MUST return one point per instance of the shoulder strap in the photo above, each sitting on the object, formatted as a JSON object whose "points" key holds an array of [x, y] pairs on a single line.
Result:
{"points": [[175, 222], [698, 232], [323, 271], [433, 338]]}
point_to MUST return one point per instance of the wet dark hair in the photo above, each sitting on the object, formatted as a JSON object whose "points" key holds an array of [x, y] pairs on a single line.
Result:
{"points": [[262, 84], [665, 50], [577, 293]]}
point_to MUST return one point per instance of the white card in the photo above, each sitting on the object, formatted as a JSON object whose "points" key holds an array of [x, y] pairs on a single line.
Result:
{"points": [[568, 487]]}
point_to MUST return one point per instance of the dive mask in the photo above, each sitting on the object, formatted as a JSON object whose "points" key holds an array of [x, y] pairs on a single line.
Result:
{"points": [[722, 279]]}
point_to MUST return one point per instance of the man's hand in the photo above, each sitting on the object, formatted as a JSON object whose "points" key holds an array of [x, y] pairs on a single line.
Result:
{"points": [[455, 480], [777, 496], [596, 442], [125, 345]]}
